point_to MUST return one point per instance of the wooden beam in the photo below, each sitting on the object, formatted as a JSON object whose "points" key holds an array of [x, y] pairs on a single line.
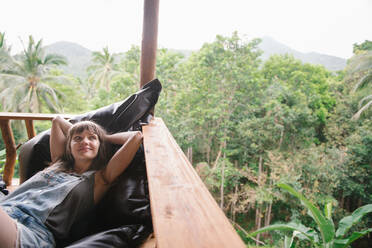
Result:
{"points": [[11, 153], [149, 40], [184, 213], [30, 116]]}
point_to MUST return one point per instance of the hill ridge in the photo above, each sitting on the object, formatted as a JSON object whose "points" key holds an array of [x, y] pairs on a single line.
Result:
{"points": [[79, 57]]}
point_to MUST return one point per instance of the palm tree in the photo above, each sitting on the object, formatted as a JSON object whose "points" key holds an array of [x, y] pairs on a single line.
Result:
{"points": [[360, 66], [103, 69], [4, 53], [26, 81]]}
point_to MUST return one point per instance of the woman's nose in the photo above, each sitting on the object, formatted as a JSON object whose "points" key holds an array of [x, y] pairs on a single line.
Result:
{"points": [[85, 140]]}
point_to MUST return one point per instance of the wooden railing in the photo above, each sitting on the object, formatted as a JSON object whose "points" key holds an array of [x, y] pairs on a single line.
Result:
{"points": [[184, 213], [8, 137]]}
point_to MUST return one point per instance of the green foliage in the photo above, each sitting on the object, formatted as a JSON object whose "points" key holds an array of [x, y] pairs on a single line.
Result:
{"points": [[247, 126], [25, 82], [2, 160], [325, 225], [359, 73], [304, 86], [103, 70], [211, 89], [364, 46], [5, 57]]}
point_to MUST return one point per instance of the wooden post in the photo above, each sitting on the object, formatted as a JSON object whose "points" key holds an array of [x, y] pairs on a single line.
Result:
{"points": [[30, 129], [149, 40], [11, 153]]}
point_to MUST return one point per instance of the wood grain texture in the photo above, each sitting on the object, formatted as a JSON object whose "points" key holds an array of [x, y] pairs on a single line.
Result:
{"points": [[30, 116], [10, 148], [8, 137], [184, 212], [30, 129], [149, 41]]}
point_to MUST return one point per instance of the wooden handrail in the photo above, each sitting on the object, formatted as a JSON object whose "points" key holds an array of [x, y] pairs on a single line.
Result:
{"points": [[31, 116], [184, 213], [8, 137]]}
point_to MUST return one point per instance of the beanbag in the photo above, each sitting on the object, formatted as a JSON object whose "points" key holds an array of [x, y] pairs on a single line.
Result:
{"points": [[121, 116], [127, 201]]}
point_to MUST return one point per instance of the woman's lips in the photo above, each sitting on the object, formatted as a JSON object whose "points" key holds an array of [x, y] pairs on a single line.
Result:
{"points": [[85, 149]]}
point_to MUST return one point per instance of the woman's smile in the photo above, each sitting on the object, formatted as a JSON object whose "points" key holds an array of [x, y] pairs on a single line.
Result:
{"points": [[84, 146]]}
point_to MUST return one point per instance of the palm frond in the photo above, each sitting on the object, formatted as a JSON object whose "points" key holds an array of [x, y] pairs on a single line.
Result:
{"points": [[54, 59], [2, 35], [364, 99], [366, 79], [12, 76], [360, 63], [357, 115], [61, 79]]}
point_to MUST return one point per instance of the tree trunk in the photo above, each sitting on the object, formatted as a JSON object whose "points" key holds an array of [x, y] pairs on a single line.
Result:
{"points": [[259, 171], [268, 214], [222, 183], [233, 205], [189, 154], [218, 157], [258, 209], [267, 218], [223, 177], [208, 153], [281, 138], [258, 223]]}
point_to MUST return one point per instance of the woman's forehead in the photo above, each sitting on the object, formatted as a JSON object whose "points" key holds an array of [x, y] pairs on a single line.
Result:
{"points": [[84, 132]]}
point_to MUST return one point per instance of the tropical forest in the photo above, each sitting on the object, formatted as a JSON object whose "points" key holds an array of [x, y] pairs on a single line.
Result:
{"points": [[284, 147]]}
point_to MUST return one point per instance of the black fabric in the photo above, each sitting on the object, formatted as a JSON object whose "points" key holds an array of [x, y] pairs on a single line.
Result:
{"points": [[121, 116], [3, 190], [124, 237], [127, 201]]}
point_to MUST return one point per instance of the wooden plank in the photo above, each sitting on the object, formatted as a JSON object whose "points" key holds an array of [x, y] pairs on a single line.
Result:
{"points": [[184, 213], [30, 116], [10, 148]]}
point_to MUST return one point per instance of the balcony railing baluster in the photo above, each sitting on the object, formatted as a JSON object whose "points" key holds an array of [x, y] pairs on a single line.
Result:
{"points": [[8, 137]]}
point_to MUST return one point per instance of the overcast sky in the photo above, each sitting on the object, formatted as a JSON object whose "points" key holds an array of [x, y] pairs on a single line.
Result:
{"points": [[324, 26]]}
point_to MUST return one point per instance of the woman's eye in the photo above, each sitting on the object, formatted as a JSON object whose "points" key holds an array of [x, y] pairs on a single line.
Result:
{"points": [[77, 138], [93, 137]]}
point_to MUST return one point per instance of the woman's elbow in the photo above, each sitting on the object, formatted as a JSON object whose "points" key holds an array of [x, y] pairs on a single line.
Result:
{"points": [[56, 120], [138, 135]]}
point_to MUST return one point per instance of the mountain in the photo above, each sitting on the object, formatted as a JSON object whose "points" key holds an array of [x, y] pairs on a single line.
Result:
{"points": [[79, 57], [271, 46]]}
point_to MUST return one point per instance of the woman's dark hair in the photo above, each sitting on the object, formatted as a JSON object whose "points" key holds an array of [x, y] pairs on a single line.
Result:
{"points": [[67, 161]]}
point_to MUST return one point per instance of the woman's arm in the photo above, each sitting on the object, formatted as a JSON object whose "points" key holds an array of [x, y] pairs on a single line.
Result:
{"points": [[58, 135], [119, 162], [119, 138], [122, 158]]}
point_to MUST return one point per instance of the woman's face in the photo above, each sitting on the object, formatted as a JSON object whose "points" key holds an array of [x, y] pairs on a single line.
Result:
{"points": [[84, 146]]}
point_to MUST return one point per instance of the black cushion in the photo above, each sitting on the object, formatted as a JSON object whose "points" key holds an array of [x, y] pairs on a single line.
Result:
{"points": [[127, 201], [125, 237], [121, 116]]}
